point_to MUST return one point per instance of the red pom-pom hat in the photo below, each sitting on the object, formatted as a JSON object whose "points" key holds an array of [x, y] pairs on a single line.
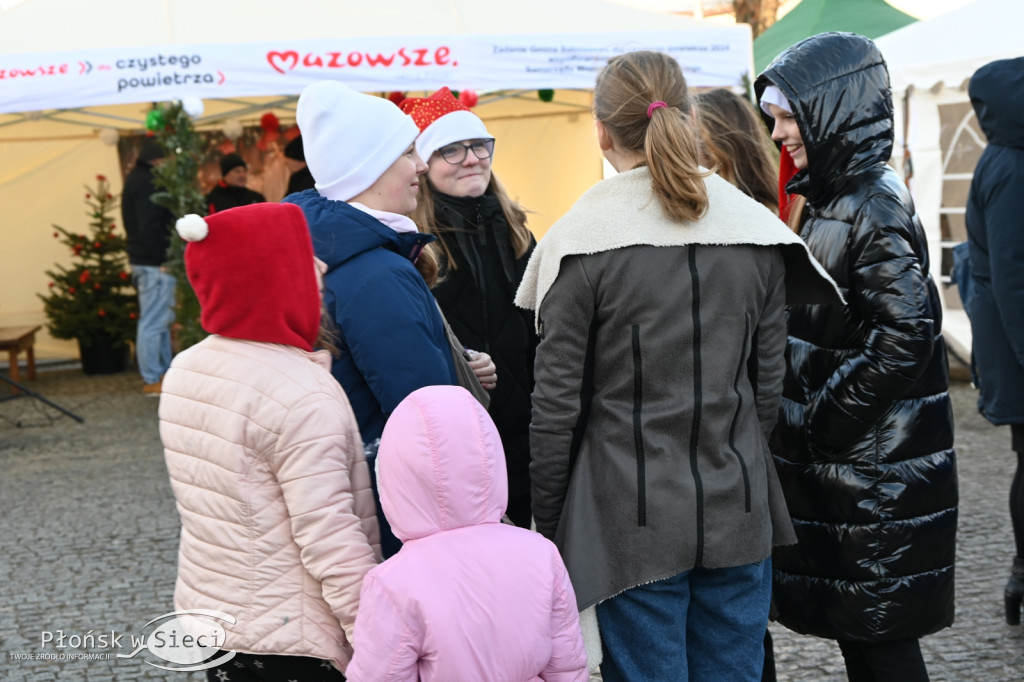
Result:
{"points": [[443, 119]]}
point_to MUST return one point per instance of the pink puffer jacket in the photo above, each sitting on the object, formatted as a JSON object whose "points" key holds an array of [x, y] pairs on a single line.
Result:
{"points": [[467, 598], [278, 519]]}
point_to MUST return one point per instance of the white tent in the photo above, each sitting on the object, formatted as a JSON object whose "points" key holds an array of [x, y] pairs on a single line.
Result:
{"points": [[68, 69], [930, 63]]}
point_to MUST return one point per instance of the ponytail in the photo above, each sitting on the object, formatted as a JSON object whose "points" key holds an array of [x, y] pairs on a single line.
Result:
{"points": [[641, 99]]}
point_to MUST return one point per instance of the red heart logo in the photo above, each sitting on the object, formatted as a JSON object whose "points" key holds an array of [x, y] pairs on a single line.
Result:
{"points": [[273, 57]]}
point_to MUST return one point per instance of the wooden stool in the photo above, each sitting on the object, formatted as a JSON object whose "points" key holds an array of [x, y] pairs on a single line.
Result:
{"points": [[17, 339]]}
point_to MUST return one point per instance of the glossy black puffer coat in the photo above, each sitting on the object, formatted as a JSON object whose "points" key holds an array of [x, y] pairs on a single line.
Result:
{"points": [[864, 447]]}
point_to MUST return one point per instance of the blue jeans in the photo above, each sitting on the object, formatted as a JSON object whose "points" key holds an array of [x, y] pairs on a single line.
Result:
{"points": [[704, 624], [156, 313]]}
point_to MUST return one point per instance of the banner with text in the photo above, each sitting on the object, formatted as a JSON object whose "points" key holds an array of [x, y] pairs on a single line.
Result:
{"points": [[716, 56]]}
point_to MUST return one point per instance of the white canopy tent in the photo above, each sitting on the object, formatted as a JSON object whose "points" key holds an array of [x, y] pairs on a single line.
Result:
{"points": [[69, 69], [930, 64]]}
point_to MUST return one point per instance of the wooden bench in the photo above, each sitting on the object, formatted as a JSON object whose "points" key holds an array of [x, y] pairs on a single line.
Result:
{"points": [[17, 339]]}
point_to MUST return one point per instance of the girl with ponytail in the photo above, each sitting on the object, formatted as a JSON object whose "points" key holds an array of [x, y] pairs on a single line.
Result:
{"points": [[660, 303]]}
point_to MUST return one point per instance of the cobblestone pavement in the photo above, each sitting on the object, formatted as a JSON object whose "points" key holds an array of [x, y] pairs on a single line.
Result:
{"points": [[89, 543]]}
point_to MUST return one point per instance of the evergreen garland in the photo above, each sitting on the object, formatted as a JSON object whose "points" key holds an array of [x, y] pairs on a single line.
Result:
{"points": [[93, 300]]}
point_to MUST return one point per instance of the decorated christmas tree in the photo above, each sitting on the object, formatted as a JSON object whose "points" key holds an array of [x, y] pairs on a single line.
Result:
{"points": [[178, 180], [93, 300]]}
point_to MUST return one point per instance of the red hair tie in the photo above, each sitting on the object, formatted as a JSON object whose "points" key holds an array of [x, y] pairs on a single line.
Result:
{"points": [[655, 105]]}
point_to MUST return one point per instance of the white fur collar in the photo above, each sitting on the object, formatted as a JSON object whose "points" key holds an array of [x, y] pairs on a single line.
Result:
{"points": [[622, 211]]}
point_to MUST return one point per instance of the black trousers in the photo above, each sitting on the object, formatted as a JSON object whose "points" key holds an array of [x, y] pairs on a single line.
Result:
{"points": [[898, 660], [266, 668]]}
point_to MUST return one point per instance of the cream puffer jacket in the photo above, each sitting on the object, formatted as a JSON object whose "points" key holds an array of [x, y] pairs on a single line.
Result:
{"points": [[278, 518]]}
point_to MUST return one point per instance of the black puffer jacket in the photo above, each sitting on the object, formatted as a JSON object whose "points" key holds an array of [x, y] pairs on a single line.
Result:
{"points": [[476, 297], [864, 448]]}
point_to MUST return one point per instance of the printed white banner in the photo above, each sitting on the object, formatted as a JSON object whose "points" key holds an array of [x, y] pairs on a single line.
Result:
{"points": [[715, 56]]}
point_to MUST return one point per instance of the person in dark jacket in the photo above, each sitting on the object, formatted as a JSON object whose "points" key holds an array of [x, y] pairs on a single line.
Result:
{"points": [[484, 245], [148, 228], [660, 299], [295, 158], [391, 336], [230, 191], [864, 446], [995, 298]]}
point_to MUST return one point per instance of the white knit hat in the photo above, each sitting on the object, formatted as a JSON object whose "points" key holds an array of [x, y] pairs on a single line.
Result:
{"points": [[350, 139], [772, 95]]}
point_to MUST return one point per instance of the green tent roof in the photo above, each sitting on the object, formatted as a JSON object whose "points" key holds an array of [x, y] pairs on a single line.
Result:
{"points": [[870, 18]]}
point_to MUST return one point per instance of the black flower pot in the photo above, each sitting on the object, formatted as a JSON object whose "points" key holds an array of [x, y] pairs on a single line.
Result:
{"points": [[103, 356]]}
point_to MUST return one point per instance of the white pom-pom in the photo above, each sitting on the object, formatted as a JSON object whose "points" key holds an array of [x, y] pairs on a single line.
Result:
{"points": [[192, 228], [109, 136], [193, 106], [233, 129]]}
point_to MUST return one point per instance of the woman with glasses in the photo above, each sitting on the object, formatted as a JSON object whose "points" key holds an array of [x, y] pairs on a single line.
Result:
{"points": [[484, 246]]}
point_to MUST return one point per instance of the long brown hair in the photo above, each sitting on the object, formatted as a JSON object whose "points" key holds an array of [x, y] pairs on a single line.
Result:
{"points": [[424, 216], [736, 143], [625, 89]]}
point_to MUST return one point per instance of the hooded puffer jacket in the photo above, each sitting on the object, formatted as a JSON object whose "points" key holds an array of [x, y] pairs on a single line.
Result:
{"points": [[467, 597], [996, 242], [864, 447]]}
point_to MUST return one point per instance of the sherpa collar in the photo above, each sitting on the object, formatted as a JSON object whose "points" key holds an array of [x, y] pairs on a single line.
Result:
{"points": [[622, 211]]}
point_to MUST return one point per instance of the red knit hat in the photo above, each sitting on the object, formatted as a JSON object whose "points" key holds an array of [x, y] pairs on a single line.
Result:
{"points": [[442, 119], [252, 270]]}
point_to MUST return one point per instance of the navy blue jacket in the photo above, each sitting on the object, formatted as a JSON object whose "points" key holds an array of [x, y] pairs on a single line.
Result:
{"points": [[392, 336], [995, 233]]}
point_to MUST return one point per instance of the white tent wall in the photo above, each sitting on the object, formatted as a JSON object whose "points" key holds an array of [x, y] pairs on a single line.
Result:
{"points": [[930, 64], [42, 184]]}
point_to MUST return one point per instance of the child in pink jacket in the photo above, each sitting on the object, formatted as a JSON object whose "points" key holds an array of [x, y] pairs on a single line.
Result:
{"points": [[467, 597]]}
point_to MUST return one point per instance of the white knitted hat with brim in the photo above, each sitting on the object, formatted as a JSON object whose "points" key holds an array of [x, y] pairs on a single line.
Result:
{"points": [[350, 138]]}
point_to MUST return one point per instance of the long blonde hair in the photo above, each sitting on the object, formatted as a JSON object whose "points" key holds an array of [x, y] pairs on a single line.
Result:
{"points": [[425, 217], [736, 142], [625, 89]]}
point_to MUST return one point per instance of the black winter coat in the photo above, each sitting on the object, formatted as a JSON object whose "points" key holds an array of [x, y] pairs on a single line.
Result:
{"points": [[864, 446], [476, 296], [995, 231], [147, 226], [224, 196]]}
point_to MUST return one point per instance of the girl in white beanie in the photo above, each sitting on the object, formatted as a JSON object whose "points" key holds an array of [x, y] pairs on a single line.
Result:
{"points": [[360, 151]]}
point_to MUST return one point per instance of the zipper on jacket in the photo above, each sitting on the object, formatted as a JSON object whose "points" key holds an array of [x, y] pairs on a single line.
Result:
{"points": [[744, 364], [698, 485], [638, 432]]}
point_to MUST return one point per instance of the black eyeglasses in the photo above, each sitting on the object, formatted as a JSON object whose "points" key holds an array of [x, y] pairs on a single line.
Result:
{"points": [[456, 153]]}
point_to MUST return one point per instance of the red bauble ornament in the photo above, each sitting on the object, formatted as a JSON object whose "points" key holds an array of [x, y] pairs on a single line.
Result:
{"points": [[469, 98]]}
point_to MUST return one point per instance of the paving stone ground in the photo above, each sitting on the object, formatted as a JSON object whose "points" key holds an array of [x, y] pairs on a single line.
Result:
{"points": [[89, 533]]}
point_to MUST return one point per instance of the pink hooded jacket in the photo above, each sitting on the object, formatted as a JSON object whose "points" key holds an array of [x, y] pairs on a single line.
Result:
{"points": [[467, 597]]}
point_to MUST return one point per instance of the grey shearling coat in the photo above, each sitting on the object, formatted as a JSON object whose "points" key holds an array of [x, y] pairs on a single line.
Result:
{"points": [[658, 377]]}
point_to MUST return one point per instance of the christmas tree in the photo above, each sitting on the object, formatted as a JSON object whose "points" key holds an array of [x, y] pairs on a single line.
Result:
{"points": [[178, 180], [93, 300]]}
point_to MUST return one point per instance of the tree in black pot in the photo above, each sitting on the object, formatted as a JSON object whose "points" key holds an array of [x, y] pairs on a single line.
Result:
{"points": [[94, 301]]}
